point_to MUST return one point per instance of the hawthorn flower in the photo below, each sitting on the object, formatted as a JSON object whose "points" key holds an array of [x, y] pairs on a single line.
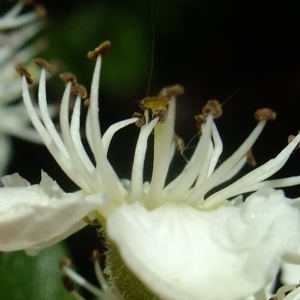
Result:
{"points": [[15, 30], [172, 240]]}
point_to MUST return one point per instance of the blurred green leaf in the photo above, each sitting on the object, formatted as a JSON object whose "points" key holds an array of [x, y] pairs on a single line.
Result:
{"points": [[33, 277]]}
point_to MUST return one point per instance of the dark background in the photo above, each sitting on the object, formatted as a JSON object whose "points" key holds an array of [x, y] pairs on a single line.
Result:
{"points": [[216, 49]]}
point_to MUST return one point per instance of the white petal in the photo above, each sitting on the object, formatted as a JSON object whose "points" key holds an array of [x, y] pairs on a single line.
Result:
{"points": [[39, 213], [224, 254], [290, 274], [74, 228], [14, 180]]}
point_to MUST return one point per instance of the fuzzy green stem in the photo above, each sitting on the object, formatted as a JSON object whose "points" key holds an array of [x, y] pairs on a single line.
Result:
{"points": [[122, 279]]}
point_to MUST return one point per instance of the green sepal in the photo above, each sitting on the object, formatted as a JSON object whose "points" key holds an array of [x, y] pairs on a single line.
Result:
{"points": [[33, 277]]}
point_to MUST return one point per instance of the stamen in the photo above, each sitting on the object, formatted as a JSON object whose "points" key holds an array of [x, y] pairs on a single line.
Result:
{"points": [[48, 123], [290, 139], [250, 158], [35, 119], [103, 48], [109, 133], [43, 63], [252, 179], [212, 107], [171, 91], [65, 261], [104, 294], [218, 148], [203, 172], [81, 170], [213, 154], [57, 149], [88, 130], [141, 119], [76, 137], [90, 141], [81, 281], [80, 90], [103, 168], [23, 72], [235, 170], [68, 77], [224, 168], [95, 258], [200, 119], [177, 189], [163, 151], [265, 114], [136, 188]]}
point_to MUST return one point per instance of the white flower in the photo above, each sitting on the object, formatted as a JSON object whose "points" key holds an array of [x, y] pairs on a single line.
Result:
{"points": [[178, 242], [15, 30]]}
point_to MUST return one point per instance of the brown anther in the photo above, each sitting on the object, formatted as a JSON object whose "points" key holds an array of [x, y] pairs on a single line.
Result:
{"points": [[273, 298], [161, 113], [103, 48], [68, 77], [96, 255], [212, 107], [65, 261], [173, 90], [141, 119], [179, 143], [250, 158], [42, 63], [80, 90], [87, 102], [68, 283], [23, 72], [290, 138], [265, 114], [200, 119]]}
